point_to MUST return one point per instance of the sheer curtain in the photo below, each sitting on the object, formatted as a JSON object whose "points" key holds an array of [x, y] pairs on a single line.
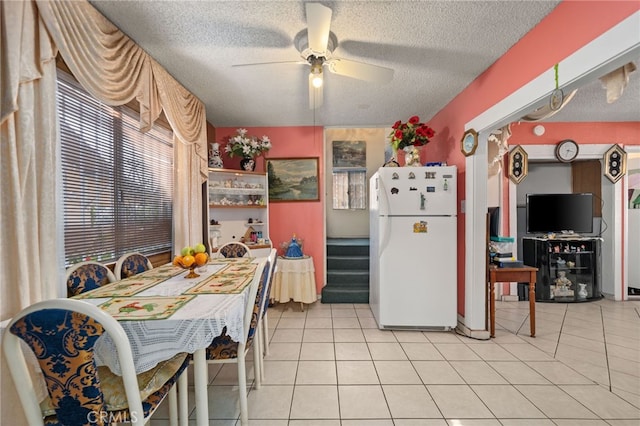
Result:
{"points": [[115, 70]]}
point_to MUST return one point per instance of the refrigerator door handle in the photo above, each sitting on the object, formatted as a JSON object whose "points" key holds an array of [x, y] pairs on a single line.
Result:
{"points": [[385, 224], [383, 200]]}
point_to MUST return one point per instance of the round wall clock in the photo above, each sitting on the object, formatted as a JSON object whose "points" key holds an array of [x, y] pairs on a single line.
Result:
{"points": [[556, 99], [469, 142], [567, 150]]}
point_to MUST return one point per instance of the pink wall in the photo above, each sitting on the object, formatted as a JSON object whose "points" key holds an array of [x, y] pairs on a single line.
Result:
{"points": [[624, 133], [305, 219], [571, 25]]}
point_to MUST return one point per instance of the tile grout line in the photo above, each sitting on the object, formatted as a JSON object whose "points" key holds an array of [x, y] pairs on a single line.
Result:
{"points": [[606, 350]]}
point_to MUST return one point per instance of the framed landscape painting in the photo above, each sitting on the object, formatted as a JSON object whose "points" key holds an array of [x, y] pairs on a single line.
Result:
{"points": [[349, 154], [293, 179]]}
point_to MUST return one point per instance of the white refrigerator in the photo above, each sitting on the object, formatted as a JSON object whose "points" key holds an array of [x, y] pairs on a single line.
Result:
{"points": [[413, 247]]}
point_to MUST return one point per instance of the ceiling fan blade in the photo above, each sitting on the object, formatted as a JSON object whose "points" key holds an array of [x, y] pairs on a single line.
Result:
{"points": [[360, 70], [318, 26], [315, 94], [270, 63]]}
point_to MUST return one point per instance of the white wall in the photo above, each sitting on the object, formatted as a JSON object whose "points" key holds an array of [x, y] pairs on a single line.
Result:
{"points": [[352, 223], [634, 248], [545, 178], [633, 234]]}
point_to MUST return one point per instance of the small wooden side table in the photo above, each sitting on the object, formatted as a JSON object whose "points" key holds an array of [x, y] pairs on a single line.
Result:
{"points": [[502, 275]]}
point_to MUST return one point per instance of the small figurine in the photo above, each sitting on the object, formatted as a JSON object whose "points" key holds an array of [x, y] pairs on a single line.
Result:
{"points": [[294, 249], [563, 286]]}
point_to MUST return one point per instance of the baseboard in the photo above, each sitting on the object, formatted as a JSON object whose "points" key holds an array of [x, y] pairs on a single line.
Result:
{"points": [[473, 334], [509, 298]]}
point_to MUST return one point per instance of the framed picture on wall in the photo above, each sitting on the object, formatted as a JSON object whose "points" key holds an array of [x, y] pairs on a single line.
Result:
{"points": [[293, 179], [349, 154]]}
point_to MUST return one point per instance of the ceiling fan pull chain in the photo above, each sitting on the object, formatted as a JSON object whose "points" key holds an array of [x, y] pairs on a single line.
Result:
{"points": [[557, 96]]}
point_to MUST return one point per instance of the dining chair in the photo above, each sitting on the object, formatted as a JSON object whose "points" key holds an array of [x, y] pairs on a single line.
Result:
{"points": [[62, 334], [224, 350], [86, 276], [234, 249], [131, 264], [263, 323]]}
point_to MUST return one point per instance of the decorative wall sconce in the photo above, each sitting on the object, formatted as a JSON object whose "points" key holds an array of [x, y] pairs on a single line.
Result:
{"points": [[615, 163], [518, 164]]}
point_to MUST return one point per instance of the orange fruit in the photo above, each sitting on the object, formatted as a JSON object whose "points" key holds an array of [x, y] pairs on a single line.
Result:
{"points": [[177, 261], [188, 260], [201, 258]]}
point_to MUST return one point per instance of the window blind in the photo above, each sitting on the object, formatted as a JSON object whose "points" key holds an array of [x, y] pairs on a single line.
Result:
{"points": [[117, 181]]}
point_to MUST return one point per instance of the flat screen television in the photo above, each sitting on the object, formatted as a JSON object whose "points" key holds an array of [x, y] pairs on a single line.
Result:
{"points": [[560, 213], [494, 221]]}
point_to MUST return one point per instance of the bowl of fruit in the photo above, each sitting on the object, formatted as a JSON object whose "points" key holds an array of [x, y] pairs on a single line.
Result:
{"points": [[191, 258]]}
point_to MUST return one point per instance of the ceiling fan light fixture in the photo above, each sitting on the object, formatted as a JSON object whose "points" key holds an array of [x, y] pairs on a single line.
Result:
{"points": [[316, 73], [316, 80]]}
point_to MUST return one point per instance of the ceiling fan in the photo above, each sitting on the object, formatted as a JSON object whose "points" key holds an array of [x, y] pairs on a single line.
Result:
{"points": [[316, 45]]}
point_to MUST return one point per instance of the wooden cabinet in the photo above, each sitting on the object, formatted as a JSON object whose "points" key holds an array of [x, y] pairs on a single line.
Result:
{"points": [[238, 209], [569, 269]]}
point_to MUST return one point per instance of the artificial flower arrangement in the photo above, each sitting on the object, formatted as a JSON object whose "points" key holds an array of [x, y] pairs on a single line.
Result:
{"points": [[244, 145], [411, 133]]}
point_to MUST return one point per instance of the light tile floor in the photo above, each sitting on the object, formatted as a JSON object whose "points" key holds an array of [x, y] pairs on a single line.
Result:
{"points": [[331, 366]]}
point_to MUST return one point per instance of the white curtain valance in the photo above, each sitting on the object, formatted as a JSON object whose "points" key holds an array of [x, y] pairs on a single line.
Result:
{"points": [[114, 69]]}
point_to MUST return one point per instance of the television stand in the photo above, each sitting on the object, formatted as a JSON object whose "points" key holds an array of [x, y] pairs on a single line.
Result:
{"points": [[574, 236], [567, 236], [568, 267]]}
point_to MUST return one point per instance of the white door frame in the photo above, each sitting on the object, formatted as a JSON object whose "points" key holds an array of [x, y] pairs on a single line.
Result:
{"points": [[607, 52]]}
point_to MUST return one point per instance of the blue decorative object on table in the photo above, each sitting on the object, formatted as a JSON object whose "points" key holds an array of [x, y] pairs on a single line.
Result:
{"points": [[294, 249]]}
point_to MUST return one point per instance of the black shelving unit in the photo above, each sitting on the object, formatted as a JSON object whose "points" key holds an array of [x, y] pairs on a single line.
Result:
{"points": [[569, 270]]}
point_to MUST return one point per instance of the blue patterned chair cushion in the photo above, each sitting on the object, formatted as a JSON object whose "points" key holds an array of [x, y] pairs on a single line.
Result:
{"points": [[86, 277], [233, 250], [222, 347], [62, 342], [154, 384], [78, 391], [133, 265]]}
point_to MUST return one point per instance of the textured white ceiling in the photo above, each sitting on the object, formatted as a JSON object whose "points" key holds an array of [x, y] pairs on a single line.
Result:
{"points": [[435, 47]]}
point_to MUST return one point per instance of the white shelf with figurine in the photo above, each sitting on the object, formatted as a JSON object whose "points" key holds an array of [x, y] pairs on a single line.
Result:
{"points": [[238, 209], [238, 199]]}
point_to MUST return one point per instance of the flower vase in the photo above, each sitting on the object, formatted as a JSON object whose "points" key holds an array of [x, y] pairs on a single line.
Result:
{"points": [[248, 164], [215, 160], [582, 291], [411, 156]]}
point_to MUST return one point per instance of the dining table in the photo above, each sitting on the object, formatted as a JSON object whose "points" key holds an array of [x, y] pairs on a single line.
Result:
{"points": [[164, 313]]}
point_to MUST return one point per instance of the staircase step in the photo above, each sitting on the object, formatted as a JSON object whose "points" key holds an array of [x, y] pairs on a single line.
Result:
{"points": [[348, 241], [345, 295], [347, 262], [348, 246], [347, 276], [347, 271]]}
